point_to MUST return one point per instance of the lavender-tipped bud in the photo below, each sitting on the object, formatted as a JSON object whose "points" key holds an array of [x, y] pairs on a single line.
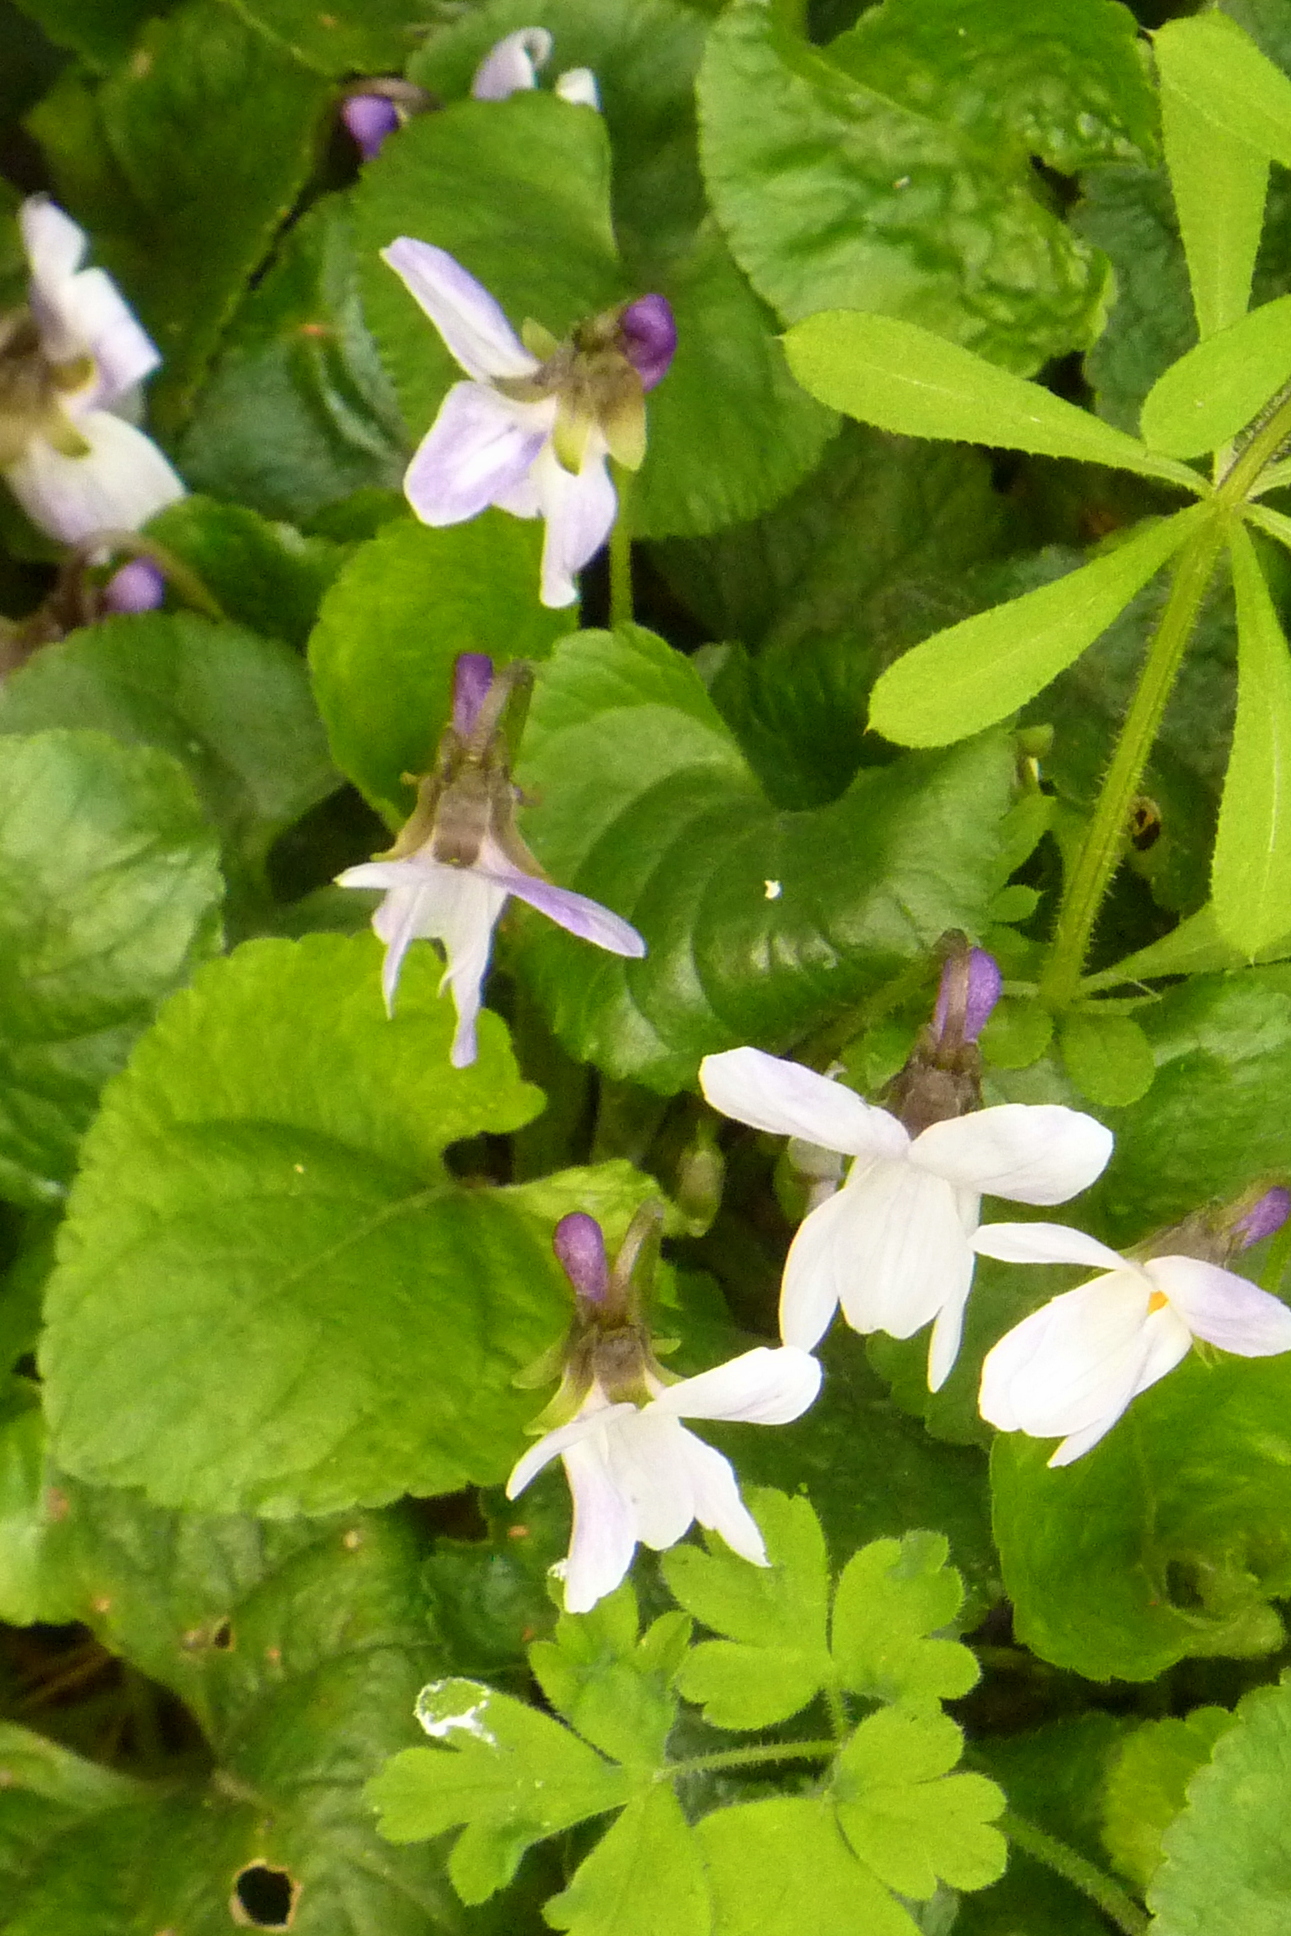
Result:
{"points": [[970, 987], [649, 333], [1265, 1216], [472, 677], [139, 586], [580, 1246], [371, 119]]}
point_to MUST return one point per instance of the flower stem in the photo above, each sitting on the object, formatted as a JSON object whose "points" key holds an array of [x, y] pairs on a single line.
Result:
{"points": [[1104, 841], [621, 612], [1116, 1903], [749, 1757]]}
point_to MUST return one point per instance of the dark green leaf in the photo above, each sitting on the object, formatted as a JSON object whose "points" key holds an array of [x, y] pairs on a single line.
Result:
{"points": [[110, 893], [346, 36], [103, 33], [263, 575], [265, 1193]]}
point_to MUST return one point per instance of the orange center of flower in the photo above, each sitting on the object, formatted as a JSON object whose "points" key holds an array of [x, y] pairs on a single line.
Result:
{"points": [[1157, 1302]]}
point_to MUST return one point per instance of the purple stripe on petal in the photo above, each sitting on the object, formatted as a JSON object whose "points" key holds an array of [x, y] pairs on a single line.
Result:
{"points": [[472, 677], [649, 332], [574, 912], [1263, 1218], [370, 118], [580, 1245], [479, 445]]}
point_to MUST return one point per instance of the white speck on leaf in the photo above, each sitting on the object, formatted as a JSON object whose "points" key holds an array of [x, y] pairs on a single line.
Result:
{"points": [[465, 1720], [774, 889]]}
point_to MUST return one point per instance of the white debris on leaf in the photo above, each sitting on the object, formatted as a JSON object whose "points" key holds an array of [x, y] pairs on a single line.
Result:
{"points": [[441, 1718]]}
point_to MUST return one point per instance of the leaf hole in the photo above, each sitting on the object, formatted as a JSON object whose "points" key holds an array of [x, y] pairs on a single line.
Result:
{"points": [[264, 1898]]}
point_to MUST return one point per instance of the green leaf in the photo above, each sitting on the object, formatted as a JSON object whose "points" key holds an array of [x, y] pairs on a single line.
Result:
{"points": [[906, 1816], [1017, 1034], [892, 1596], [1214, 391], [297, 412], [729, 433], [981, 670], [109, 893], [834, 195], [508, 1775], [766, 1859], [266, 576], [265, 1190], [774, 1657], [902, 377], [48, 1793], [102, 34], [1148, 1783], [610, 1686], [1219, 72], [392, 625], [347, 37], [233, 709], [1107, 1056], [184, 165], [22, 1450], [643, 1876], [1251, 881], [644, 802], [1220, 185]]}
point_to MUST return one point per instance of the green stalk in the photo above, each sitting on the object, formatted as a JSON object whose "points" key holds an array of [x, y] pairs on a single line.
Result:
{"points": [[621, 612], [750, 1757], [1116, 1903]]}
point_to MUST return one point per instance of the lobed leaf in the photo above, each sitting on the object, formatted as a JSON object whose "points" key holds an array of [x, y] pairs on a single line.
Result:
{"points": [[644, 1875], [891, 1598], [614, 1688], [907, 1818], [766, 1859]]}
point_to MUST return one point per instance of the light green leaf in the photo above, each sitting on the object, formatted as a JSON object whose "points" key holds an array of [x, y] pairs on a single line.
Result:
{"points": [[270, 1294], [109, 894], [644, 1876], [906, 1817], [1220, 184], [766, 1859], [903, 377], [1107, 1056], [984, 668], [392, 625], [773, 1658], [891, 1597], [1219, 72], [1148, 1782], [611, 1192], [610, 1686], [1251, 879], [22, 1458], [1219, 387], [1228, 1855], [508, 1775], [1017, 1034]]}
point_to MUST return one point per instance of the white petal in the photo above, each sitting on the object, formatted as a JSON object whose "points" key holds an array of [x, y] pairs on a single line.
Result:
{"points": [[1044, 1243], [554, 1445], [399, 921], [458, 906], [1166, 1341], [812, 1283], [124, 354], [647, 1460], [120, 483], [579, 509], [512, 65], [905, 1253], [577, 85], [1027, 1152], [473, 327], [55, 245], [1071, 1363], [1225, 1309], [947, 1335], [81, 313], [718, 1505], [605, 1526], [481, 447], [762, 1386], [788, 1100]]}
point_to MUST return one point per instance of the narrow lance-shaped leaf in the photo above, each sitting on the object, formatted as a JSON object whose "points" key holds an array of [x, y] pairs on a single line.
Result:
{"points": [[1219, 183], [1251, 882], [1218, 71], [981, 670], [1217, 388], [904, 378]]}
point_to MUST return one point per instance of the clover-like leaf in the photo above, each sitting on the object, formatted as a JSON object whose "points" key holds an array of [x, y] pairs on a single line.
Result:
{"points": [[644, 1875], [614, 1688], [906, 1816], [891, 1598]]}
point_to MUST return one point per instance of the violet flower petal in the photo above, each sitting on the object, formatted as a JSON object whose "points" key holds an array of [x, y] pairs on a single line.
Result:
{"points": [[139, 586], [511, 67], [1264, 1217], [479, 446], [579, 1243], [472, 677], [649, 332], [371, 119], [475, 331]]}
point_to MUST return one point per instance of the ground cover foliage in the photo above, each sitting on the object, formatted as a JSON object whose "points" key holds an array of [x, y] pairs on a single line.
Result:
{"points": [[947, 603]]}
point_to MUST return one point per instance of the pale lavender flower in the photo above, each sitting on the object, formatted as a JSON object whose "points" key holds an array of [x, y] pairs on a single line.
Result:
{"points": [[511, 67], [371, 120], [139, 586]]}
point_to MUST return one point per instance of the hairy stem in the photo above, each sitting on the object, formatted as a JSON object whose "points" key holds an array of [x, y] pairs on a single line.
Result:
{"points": [[750, 1757], [1116, 1903], [621, 552]]}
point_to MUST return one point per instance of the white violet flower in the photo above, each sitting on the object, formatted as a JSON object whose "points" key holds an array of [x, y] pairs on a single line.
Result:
{"points": [[71, 366], [1070, 1369], [449, 874], [533, 427], [635, 1473], [512, 68], [892, 1246]]}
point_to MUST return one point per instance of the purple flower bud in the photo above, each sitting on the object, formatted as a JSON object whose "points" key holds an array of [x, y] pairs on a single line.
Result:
{"points": [[1263, 1218], [139, 586], [978, 998], [580, 1246], [472, 677], [370, 118], [649, 338]]}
